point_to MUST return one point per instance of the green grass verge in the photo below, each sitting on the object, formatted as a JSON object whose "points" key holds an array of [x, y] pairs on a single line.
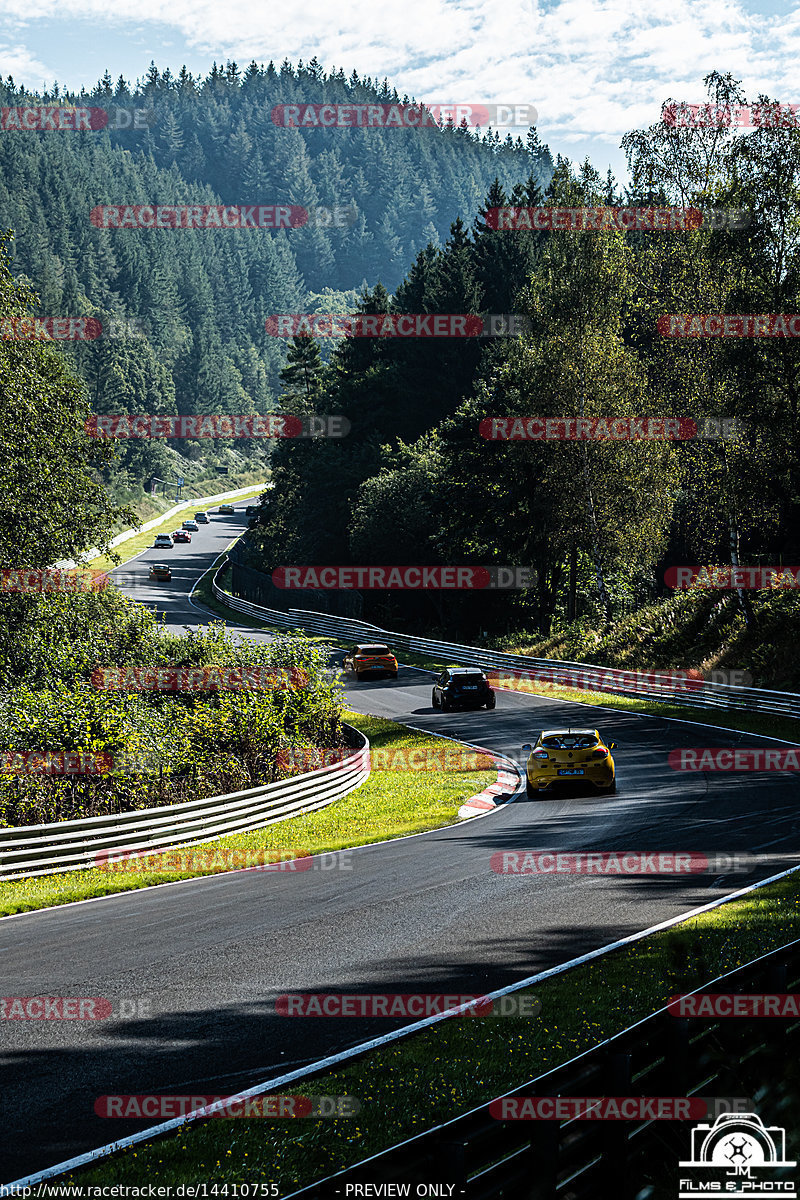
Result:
{"points": [[148, 506], [390, 804], [456, 1065], [143, 541]]}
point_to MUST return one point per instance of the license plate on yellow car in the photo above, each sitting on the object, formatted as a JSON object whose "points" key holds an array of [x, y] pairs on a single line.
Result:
{"points": [[570, 770]]}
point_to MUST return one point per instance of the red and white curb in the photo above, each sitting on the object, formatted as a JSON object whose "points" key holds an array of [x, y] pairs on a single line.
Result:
{"points": [[509, 776], [506, 784]]}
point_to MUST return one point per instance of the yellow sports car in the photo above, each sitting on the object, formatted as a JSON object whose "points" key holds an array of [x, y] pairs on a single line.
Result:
{"points": [[569, 756]]}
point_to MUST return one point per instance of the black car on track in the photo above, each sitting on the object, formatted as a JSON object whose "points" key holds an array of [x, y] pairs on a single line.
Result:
{"points": [[462, 687]]}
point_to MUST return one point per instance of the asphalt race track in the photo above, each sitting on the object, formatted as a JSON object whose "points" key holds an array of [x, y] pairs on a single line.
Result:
{"points": [[425, 914]]}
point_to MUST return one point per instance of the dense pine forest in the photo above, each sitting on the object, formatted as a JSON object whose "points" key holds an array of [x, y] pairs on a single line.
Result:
{"points": [[414, 481], [201, 298]]}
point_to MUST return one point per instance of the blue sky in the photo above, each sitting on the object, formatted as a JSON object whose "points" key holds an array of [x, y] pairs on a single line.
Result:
{"points": [[592, 68]]}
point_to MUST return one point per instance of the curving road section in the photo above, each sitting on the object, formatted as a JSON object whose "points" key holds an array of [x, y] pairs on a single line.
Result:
{"points": [[423, 914]]}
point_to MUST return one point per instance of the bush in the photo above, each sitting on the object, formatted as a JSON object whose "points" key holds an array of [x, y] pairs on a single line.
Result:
{"points": [[162, 747]]}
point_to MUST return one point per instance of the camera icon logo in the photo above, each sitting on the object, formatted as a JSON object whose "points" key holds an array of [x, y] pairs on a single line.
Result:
{"points": [[739, 1142]]}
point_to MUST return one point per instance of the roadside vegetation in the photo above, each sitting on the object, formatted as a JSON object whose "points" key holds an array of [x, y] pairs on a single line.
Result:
{"points": [[156, 746], [697, 628]]}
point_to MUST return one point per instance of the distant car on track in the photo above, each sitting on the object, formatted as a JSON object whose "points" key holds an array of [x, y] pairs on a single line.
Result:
{"points": [[163, 542], [192, 526], [562, 756], [201, 518], [370, 658], [160, 571], [181, 535], [462, 687], [226, 510], [251, 510]]}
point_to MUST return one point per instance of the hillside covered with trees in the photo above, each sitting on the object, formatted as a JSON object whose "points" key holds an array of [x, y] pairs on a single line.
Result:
{"points": [[201, 298], [600, 521]]}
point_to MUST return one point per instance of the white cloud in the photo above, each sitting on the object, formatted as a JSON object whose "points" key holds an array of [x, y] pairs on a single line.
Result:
{"points": [[593, 68], [22, 65]]}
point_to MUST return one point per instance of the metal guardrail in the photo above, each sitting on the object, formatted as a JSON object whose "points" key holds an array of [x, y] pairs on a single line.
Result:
{"points": [[585, 676], [485, 1158], [31, 850]]}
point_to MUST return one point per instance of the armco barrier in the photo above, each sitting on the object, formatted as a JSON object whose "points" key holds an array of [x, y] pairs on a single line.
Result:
{"points": [[481, 1156], [73, 845], [697, 694]]}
